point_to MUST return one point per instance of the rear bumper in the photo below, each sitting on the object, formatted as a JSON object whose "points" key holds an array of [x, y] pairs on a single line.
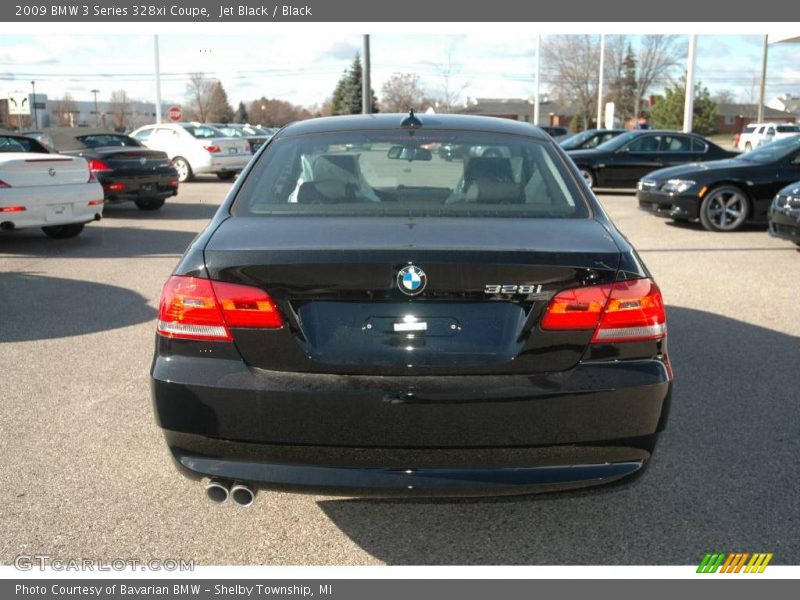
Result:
{"points": [[359, 435], [221, 164], [134, 187], [52, 205], [669, 206]]}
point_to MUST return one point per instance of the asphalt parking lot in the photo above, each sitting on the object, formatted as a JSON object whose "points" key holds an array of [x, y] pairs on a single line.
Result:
{"points": [[86, 473]]}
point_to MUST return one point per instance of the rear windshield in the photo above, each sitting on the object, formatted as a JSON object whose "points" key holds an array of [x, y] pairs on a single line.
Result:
{"points": [[19, 144], [788, 128], [748, 129], [203, 131], [103, 140], [417, 173]]}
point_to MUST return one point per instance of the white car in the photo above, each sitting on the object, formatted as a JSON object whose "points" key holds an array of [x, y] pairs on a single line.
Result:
{"points": [[758, 134], [195, 148], [39, 189]]}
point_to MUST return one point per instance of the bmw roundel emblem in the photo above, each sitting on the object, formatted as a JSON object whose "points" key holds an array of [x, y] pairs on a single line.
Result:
{"points": [[411, 280]]}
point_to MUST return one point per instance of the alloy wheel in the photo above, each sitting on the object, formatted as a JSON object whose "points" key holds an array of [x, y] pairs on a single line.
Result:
{"points": [[726, 209]]}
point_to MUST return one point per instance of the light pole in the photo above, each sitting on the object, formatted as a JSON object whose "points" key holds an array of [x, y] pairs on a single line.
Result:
{"points": [[688, 104], [35, 116], [158, 78], [366, 88], [96, 112], [536, 88], [600, 81]]}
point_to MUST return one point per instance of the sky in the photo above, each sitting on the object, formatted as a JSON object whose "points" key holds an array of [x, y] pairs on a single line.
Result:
{"points": [[304, 69]]}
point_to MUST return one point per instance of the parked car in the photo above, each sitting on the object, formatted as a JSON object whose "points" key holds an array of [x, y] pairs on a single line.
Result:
{"points": [[127, 170], [195, 148], [588, 139], [256, 136], [724, 194], [554, 131], [784, 214], [622, 161], [39, 188], [757, 134], [385, 323]]}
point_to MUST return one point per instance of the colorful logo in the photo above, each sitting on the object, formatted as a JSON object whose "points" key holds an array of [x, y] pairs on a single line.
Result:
{"points": [[735, 562]]}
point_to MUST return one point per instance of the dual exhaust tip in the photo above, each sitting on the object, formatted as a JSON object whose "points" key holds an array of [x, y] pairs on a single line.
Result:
{"points": [[218, 491]]}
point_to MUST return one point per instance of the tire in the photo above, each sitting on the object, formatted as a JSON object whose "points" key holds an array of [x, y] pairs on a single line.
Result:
{"points": [[588, 177], [61, 232], [725, 208], [149, 203], [227, 176], [748, 146], [184, 169]]}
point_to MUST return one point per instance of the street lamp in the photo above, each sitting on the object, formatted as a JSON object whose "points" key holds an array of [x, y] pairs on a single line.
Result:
{"points": [[96, 113], [35, 116]]}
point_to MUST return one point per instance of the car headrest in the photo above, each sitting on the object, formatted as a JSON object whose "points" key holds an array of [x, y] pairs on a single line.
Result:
{"points": [[494, 168]]}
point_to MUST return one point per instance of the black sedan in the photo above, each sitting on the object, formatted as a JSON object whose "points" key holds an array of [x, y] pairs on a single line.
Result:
{"points": [[391, 323], [127, 170], [784, 214], [723, 194], [589, 139], [622, 161]]}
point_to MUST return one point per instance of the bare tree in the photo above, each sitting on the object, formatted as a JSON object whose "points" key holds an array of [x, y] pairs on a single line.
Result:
{"points": [[403, 91], [449, 90], [65, 111], [119, 104], [199, 94], [271, 112], [656, 58], [724, 97], [572, 62]]}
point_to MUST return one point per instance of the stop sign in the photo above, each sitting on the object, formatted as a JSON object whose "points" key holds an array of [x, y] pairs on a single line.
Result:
{"points": [[174, 113]]}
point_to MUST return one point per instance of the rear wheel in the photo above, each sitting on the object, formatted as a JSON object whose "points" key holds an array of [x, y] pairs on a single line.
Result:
{"points": [[149, 203], [61, 232], [228, 175], [183, 168], [588, 177], [725, 208]]}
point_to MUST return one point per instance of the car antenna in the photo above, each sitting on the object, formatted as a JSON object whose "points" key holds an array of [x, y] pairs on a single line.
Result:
{"points": [[411, 121]]}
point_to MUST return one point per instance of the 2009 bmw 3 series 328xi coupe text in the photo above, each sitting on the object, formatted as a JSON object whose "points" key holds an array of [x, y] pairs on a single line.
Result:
{"points": [[363, 317]]}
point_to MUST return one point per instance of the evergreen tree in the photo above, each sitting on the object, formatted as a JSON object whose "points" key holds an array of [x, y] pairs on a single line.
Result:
{"points": [[219, 109], [241, 114], [348, 93], [667, 112], [623, 91]]}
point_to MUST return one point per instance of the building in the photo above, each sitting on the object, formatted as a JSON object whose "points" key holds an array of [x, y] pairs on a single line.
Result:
{"points": [[732, 118], [519, 109], [81, 113]]}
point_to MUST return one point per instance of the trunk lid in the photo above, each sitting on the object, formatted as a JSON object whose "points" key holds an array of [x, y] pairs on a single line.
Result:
{"points": [[229, 146], [335, 281], [134, 160], [33, 169]]}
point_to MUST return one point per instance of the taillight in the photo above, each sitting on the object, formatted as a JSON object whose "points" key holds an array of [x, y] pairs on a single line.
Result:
{"points": [[194, 308], [212, 149], [95, 202], [619, 312], [98, 165], [114, 187], [173, 182], [3, 184], [10, 209]]}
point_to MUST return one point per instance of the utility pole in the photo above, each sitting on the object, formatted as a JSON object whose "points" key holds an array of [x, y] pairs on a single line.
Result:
{"points": [[366, 88], [96, 112], [688, 104], [600, 81], [536, 88], [158, 80], [763, 80], [33, 105]]}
